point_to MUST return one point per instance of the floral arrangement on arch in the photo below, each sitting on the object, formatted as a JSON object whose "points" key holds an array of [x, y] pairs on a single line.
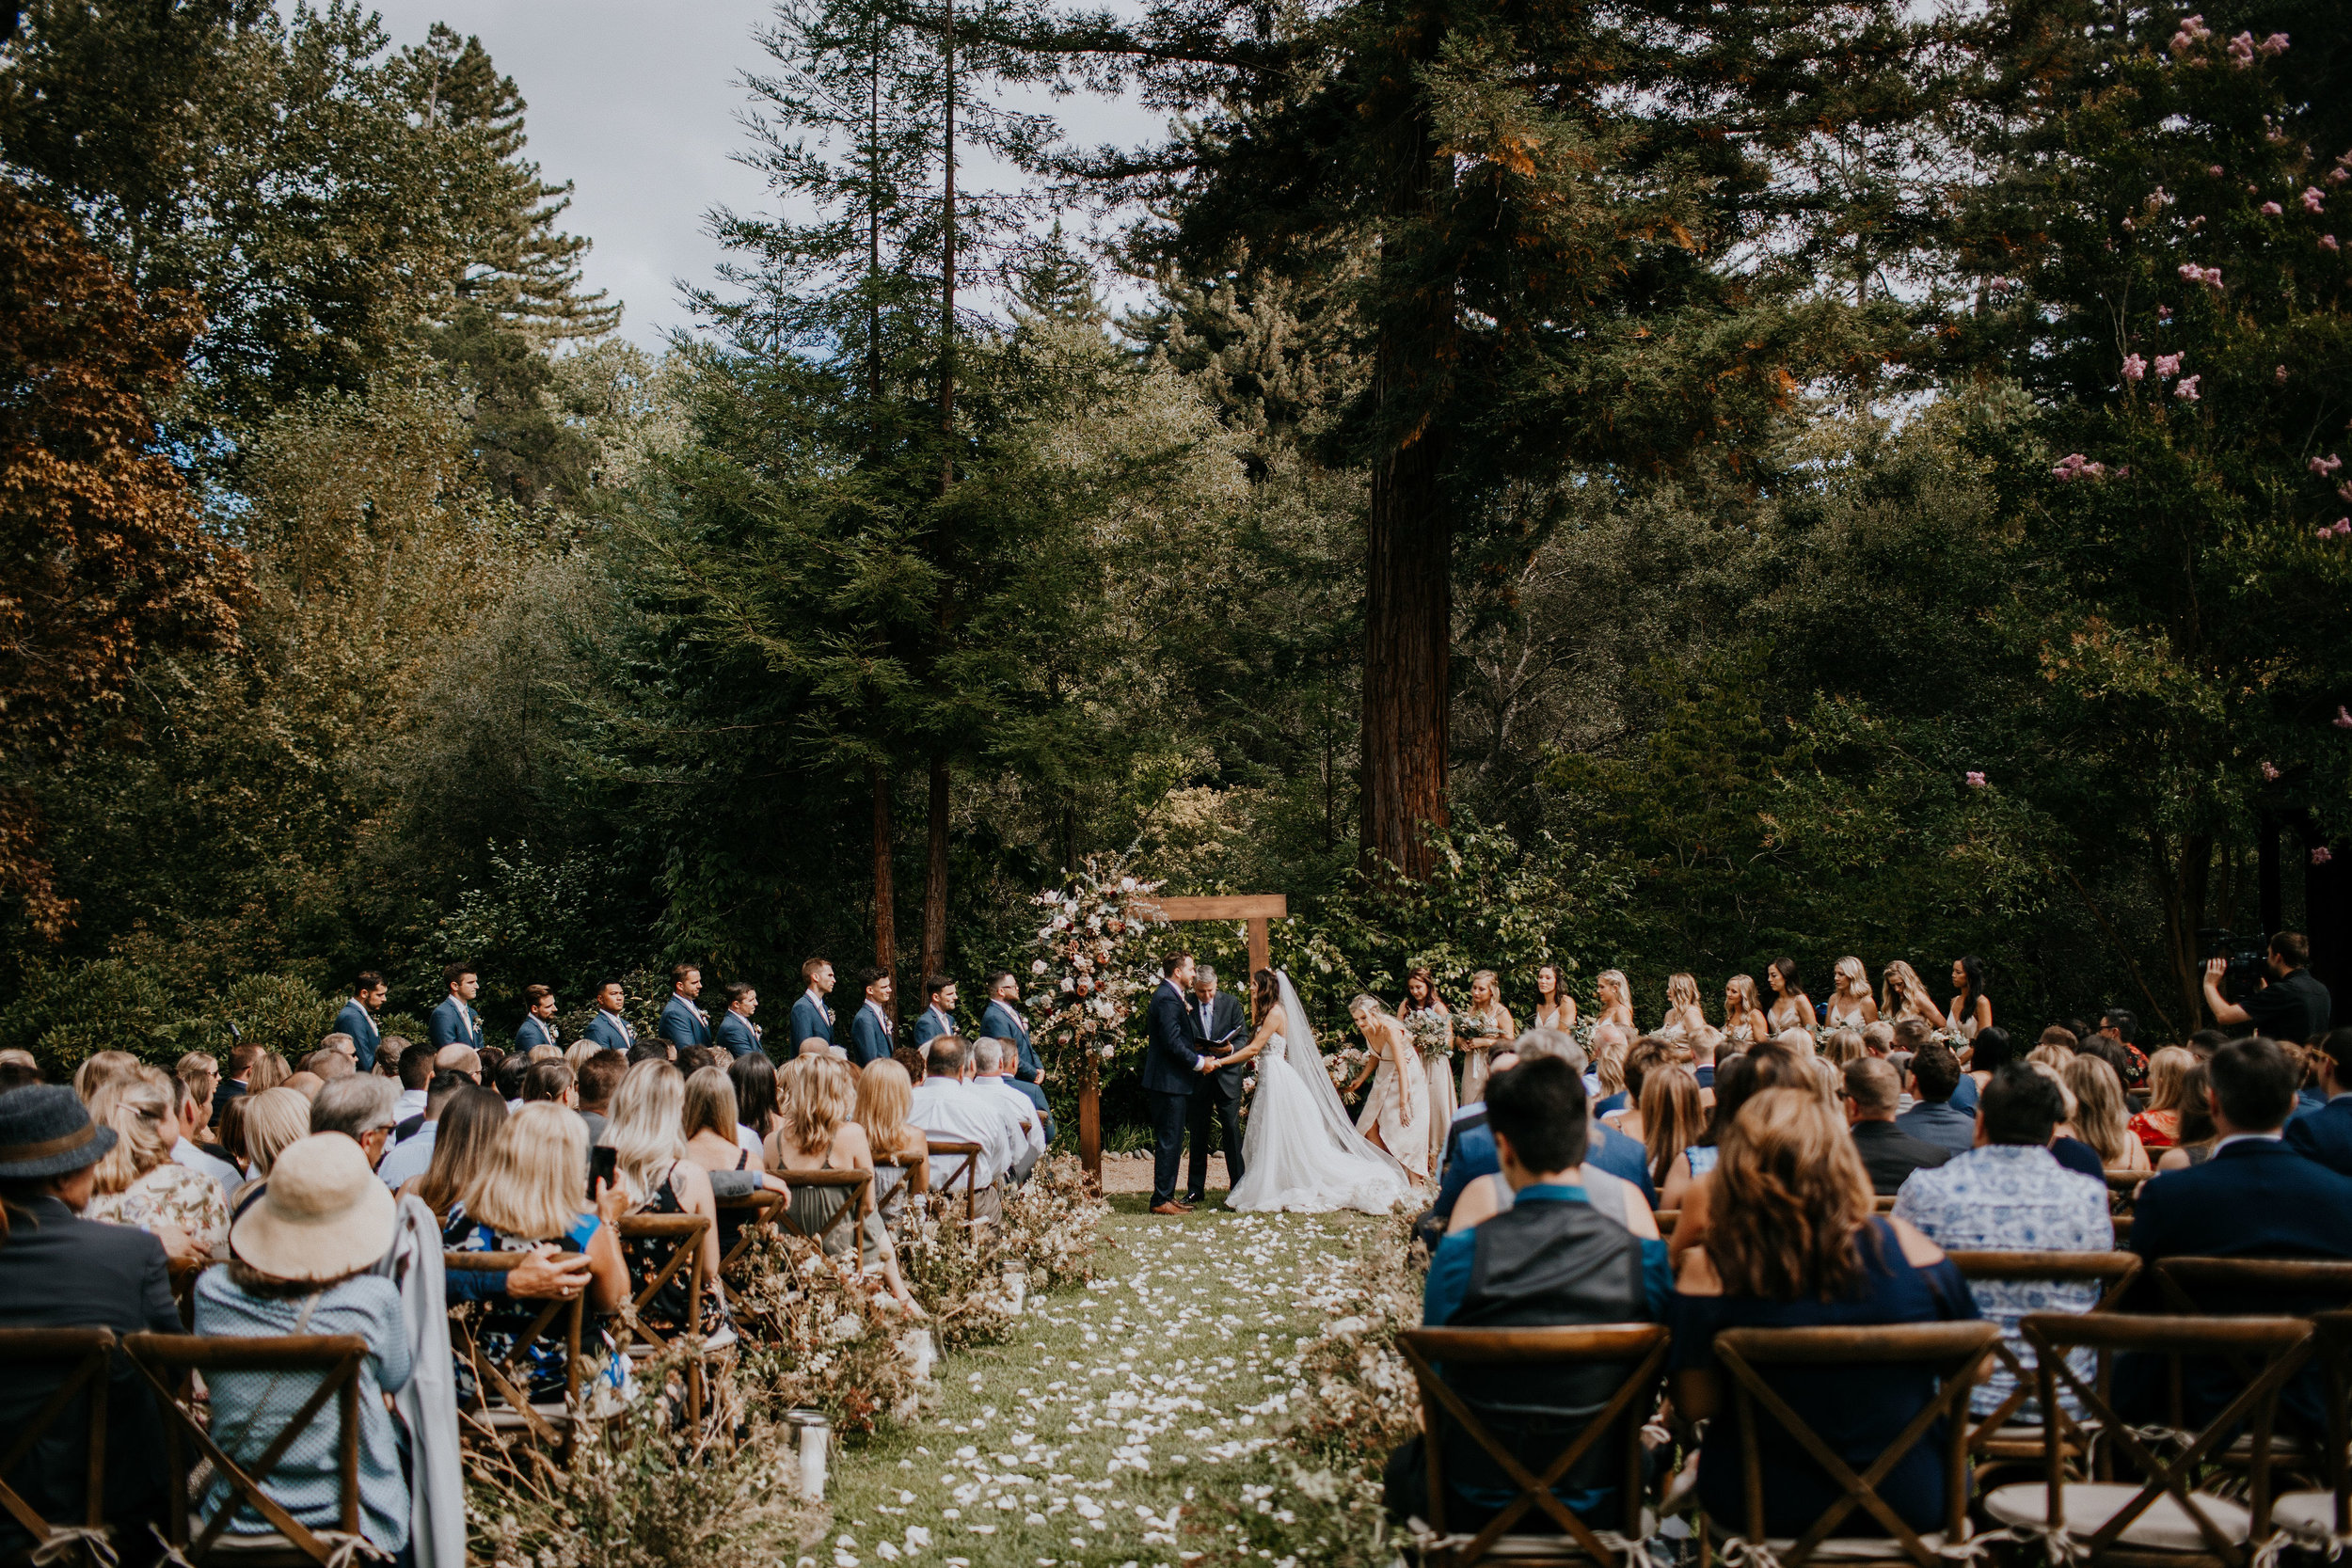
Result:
{"points": [[1090, 966]]}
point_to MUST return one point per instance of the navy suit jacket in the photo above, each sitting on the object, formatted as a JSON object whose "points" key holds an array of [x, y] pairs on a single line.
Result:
{"points": [[1945, 1125], [681, 1025], [1172, 1049], [868, 1040], [607, 1033], [1002, 1023], [533, 1030], [1036, 1097], [809, 1021], [734, 1033], [2325, 1135], [928, 1026], [354, 1021], [454, 1023]]}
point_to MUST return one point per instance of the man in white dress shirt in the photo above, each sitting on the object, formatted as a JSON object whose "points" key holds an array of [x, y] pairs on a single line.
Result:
{"points": [[948, 1105], [990, 1061]]}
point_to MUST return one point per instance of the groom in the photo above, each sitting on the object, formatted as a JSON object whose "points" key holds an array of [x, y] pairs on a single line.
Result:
{"points": [[1173, 1069]]}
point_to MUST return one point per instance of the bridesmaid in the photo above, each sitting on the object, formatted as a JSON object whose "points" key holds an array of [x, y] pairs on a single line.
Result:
{"points": [[1486, 1004], [1905, 995], [1685, 1020], [1421, 996], [1616, 1001], [1791, 1008], [1744, 1021], [1850, 1003], [1971, 1009], [1396, 1114], [1554, 1007]]}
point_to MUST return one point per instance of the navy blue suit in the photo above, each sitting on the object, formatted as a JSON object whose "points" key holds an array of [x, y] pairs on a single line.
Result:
{"points": [[932, 1022], [809, 1020], [869, 1040], [608, 1030], [1003, 1022], [454, 1023], [356, 1022], [2255, 1198], [2325, 1135], [533, 1031], [735, 1035], [682, 1024], [1171, 1075]]}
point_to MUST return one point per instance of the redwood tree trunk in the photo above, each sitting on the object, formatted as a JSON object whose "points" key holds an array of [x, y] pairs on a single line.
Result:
{"points": [[935, 877], [885, 894], [2183, 876]]}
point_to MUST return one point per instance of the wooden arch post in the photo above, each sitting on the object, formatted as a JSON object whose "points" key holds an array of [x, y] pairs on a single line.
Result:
{"points": [[1258, 908]]}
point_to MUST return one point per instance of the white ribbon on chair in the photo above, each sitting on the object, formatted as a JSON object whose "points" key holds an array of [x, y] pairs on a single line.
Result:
{"points": [[63, 1539], [1740, 1552], [1634, 1551], [2058, 1545], [349, 1550]]}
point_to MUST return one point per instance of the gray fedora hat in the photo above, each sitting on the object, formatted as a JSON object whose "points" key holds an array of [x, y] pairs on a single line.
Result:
{"points": [[46, 1131]]}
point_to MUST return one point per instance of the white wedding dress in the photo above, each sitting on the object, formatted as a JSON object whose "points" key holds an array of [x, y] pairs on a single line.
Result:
{"points": [[1301, 1152]]}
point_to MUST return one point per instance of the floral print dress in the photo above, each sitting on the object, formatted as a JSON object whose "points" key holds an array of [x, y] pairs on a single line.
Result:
{"points": [[169, 1195]]}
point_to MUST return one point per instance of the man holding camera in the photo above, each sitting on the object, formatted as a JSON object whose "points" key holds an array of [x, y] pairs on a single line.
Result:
{"points": [[2291, 1006]]}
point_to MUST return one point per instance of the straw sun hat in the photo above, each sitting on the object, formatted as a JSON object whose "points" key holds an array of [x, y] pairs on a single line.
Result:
{"points": [[323, 1216]]}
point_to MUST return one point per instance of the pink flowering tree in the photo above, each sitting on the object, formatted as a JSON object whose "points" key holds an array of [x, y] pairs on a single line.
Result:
{"points": [[2168, 196]]}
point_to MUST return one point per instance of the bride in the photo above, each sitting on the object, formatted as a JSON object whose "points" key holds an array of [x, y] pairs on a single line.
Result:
{"points": [[1302, 1152]]}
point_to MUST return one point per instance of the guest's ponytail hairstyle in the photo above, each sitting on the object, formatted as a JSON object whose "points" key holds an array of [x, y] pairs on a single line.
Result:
{"points": [[1265, 994]]}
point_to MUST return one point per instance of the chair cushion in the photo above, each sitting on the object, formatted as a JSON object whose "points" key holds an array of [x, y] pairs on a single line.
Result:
{"points": [[1859, 1549], [2305, 1514], [2165, 1527]]}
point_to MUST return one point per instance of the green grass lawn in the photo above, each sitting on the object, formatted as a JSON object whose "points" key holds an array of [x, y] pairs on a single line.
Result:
{"points": [[1121, 1424]]}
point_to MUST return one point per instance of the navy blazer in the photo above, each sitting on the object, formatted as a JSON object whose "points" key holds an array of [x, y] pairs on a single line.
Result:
{"points": [[931, 1024], [454, 1023], [738, 1036], [607, 1030], [533, 1030], [360, 1025], [1943, 1124], [1171, 1054], [870, 1040], [61, 1271], [682, 1024], [809, 1021], [2325, 1134], [1003, 1022]]}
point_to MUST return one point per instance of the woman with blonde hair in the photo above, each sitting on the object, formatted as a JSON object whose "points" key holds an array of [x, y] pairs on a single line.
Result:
{"points": [[1840, 1046], [1495, 1028], [270, 1071], [1904, 995], [274, 1119], [531, 1186], [1672, 1121], [1554, 1007], [2159, 1125], [884, 1097], [576, 1055], [1793, 1242], [1616, 1000], [100, 1067], [1851, 1006], [470, 1121], [137, 1183], [1395, 1118], [645, 1133], [2099, 1115], [1744, 1023], [818, 1133], [1685, 1019]]}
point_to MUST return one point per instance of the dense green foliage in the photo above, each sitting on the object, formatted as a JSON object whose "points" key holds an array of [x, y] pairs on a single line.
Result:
{"points": [[1836, 558]]}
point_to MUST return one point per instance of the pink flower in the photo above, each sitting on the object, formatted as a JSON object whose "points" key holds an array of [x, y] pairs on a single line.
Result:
{"points": [[2168, 365], [2215, 171], [2242, 50], [2321, 855], [2164, 313], [2282, 376], [2275, 44], [2338, 175], [1976, 780], [2270, 774], [2134, 367], [2187, 389], [2271, 209], [2209, 276], [2326, 466], [2326, 241], [2342, 528], [2123, 472], [2314, 200], [2344, 717], [2194, 26], [2346, 490], [2067, 466]]}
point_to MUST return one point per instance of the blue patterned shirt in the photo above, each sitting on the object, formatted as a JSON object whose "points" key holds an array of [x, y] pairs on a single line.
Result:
{"points": [[2011, 1197]]}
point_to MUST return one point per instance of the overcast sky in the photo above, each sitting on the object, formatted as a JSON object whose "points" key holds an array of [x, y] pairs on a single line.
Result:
{"points": [[637, 105]]}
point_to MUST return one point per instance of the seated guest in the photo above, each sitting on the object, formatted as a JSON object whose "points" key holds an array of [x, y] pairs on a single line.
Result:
{"points": [[100, 1067], [992, 1063], [1570, 1245], [1988, 1057], [58, 1270], [648, 1142], [414, 1065], [1634, 1065], [303, 1261], [550, 1082], [358, 1108], [1672, 1119], [200, 1072], [137, 1183], [2195, 1145], [18, 1069], [944, 1106], [2008, 1195], [274, 1119], [231, 1131], [816, 1133], [337, 1057], [269, 1071], [1008, 1073], [411, 1156], [2066, 1149], [2158, 1127], [1742, 1079], [1792, 1242], [529, 1187], [714, 1139], [508, 1078], [1476, 1159], [756, 1102], [736, 1035], [1910, 1035], [655, 1050], [2255, 1198], [235, 1075], [305, 1083], [599, 1076], [459, 1059], [467, 1117], [192, 1104], [1934, 1076], [1889, 1154], [883, 1099], [2099, 1109], [1620, 1156], [2325, 1135], [2121, 1027]]}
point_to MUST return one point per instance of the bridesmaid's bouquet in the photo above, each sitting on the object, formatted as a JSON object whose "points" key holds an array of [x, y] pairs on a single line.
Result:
{"points": [[1343, 1064], [1427, 1030]]}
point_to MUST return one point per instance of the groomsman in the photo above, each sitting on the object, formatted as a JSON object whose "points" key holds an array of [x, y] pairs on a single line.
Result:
{"points": [[684, 1024], [869, 1030], [538, 1025], [454, 1021], [609, 1028], [1002, 1020], [811, 1017], [736, 1032], [357, 1018], [1216, 1015], [938, 1017]]}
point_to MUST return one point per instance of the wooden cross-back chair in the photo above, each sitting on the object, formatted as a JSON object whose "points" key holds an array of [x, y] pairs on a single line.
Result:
{"points": [[2322, 1519], [759, 1212], [1640, 1347], [503, 1395], [683, 1234], [1954, 1352], [2161, 1520], [191, 1452], [1996, 1439], [2123, 1187], [857, 1187], [80, 1362], [968, 1173], [2236, 1286]]}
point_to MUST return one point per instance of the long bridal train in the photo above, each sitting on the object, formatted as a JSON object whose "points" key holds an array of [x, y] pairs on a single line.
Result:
{"points": [[1301, 1152]]}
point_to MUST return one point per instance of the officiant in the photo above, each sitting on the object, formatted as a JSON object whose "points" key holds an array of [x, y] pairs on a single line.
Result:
{"points": [[1219, 1016]]}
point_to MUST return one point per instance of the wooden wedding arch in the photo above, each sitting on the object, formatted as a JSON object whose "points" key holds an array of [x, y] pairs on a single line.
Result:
{"points": [[1258, 909]]}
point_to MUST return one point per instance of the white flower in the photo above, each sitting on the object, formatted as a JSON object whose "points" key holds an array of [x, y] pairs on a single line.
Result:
{"points": [[844, 1328], [1127, 884], [1037, 966], [1068, 984]]}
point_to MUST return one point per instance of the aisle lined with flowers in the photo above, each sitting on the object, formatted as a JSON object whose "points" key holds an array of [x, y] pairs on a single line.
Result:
{"points": [[1129, 1423]]}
